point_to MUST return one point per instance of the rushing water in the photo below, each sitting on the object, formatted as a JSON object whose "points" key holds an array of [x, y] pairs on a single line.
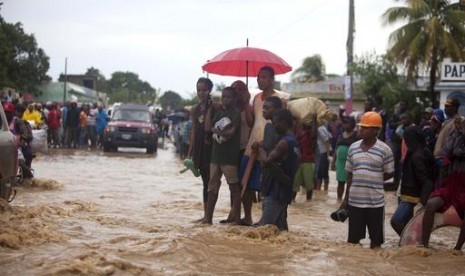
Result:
{"points": [[129, 213]]}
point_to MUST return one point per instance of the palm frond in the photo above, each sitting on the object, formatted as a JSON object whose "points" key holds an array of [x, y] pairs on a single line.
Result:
{"points": [[451, 47], [394, 15], [433, 29], [419, 8]]}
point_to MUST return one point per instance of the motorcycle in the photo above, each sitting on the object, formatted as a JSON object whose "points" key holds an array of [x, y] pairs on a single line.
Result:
{"points": [[24, 172]]}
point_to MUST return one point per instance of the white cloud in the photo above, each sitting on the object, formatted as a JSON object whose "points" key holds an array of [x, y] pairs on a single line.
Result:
{"points": [[167, 42]]}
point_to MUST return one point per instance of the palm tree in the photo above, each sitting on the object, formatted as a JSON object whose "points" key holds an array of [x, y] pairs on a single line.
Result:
{"points": [[435, 29], [312, 70]]}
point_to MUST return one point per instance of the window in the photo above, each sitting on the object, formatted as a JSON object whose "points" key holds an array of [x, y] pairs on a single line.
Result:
{"points": [[131, 115]]}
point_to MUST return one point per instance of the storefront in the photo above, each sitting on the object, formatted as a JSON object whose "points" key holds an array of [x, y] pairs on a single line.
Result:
{"points": [[452, 83]]}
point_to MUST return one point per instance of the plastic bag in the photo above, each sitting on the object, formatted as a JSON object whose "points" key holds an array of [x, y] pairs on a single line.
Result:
{"points": [[39, 143], [305, 108]]}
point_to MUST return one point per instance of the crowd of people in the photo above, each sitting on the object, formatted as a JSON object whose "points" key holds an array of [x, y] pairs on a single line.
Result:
{"points": [[265, 153], [69, 125], [66, 126]]}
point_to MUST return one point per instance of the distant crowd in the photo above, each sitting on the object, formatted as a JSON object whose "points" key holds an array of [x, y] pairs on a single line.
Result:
{"points": [[69, 125]]}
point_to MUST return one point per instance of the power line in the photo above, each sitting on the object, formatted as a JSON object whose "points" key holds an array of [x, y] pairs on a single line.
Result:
{"points": [[319, 5]]}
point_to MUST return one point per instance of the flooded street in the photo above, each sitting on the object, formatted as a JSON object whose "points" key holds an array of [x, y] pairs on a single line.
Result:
{"points": [[130, 213]]}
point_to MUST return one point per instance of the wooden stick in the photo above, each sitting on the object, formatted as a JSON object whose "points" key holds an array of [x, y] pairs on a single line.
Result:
{"points": [[248, 171]]}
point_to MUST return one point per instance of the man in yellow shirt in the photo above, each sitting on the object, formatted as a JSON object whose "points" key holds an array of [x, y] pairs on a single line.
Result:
{"points": [[31, 114]]}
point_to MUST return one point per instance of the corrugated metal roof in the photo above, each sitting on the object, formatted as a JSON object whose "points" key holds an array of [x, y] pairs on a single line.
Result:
{"points": [[53, 91]]}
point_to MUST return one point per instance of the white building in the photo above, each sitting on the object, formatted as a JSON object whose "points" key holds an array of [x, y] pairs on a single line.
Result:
{"points": [[452, 83]]}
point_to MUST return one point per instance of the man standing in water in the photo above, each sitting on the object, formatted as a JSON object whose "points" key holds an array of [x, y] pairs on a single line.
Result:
{"points": [[200, 144], [396, 140], [265, 81], [451, 109], [225, 153], [277, 194], [369, 163]]}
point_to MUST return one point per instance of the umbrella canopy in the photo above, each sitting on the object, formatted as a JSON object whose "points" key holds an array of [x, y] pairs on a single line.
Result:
{"points": [[244, 62]]}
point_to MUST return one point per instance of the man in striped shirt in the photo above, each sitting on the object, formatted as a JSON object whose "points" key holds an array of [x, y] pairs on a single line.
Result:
{"points": [[369, 163]]}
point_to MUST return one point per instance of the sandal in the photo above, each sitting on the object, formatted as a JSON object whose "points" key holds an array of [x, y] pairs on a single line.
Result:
{"points": [[228, 220], [243, 222]]}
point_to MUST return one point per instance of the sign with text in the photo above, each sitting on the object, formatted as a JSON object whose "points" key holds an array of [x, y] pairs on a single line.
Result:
{"points": [[453, 71]]}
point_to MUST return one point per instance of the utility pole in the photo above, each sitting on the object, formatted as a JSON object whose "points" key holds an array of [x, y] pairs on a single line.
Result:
{"points": [[64, 88], [350, 58]]}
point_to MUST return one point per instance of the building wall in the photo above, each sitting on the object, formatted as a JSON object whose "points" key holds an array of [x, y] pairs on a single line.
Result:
{"points": [[330, 91], [82, 80]]}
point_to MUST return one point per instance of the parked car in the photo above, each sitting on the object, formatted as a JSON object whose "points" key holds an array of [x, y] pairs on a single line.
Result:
{"points": [[131, 125], [8, 158]]}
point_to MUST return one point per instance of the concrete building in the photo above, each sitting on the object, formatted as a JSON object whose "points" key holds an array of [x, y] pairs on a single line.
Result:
{"points": [[54, 92], [452, 83], [81, 80], [330, 91]]}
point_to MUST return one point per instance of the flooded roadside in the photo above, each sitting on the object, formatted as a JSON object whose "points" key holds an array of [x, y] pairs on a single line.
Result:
{"points": [[129, 213]]}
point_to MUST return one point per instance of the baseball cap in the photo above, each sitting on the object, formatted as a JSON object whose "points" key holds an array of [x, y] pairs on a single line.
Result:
{"points": [[429, 110], [453, 102], [438, 115]]}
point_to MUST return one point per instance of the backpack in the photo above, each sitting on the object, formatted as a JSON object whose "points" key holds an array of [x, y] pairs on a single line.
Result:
{"points": [[28, 136]]}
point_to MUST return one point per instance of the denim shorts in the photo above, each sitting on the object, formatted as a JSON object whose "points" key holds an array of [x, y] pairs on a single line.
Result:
{"points": [[403, 213]]}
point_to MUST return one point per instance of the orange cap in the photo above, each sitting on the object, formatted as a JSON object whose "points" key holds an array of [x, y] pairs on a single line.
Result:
{"points": [[371, 119]]}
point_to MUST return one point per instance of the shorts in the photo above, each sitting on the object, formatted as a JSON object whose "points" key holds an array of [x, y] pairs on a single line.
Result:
{"points": [[305, 176], [216, 171], [362, 218], [403, 213], [254, 182], [322, 167]]}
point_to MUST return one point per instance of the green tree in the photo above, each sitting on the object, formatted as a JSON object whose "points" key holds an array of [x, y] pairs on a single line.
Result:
{"points": [[102, 84], [127, 87], [435, 29], [378, 77], [171, 99], [219, 86], [23, 65], [312, 70], [191, 100]]}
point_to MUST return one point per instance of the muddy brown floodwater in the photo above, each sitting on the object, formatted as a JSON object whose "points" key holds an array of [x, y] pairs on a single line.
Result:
{"points": [[129, 213]]}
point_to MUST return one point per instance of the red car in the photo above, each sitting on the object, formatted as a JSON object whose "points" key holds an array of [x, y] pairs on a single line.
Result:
{"points": [[8, 158], [131, 125]]}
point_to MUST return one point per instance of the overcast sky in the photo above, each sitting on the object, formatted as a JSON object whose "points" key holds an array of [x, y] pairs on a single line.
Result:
{"points": [[167, 42]]}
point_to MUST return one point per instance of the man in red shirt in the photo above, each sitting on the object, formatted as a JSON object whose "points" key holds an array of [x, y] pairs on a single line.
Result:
{"points": [[305, 175], [54, 117]]}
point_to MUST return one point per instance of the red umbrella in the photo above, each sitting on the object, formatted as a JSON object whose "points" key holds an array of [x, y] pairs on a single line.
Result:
{"points": [[244, 62]]}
